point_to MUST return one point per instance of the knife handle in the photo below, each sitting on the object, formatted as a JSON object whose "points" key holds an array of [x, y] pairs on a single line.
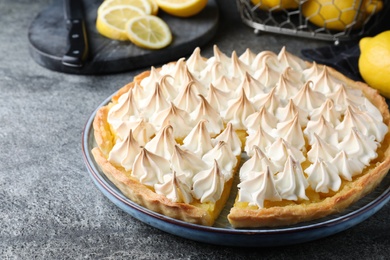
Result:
{"points": [[77, 42]]}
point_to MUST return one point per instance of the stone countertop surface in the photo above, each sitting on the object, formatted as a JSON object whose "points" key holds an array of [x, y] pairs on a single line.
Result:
{"points": [[49, 206]]}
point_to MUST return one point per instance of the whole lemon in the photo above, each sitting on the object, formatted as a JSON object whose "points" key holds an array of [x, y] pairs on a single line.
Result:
{"points": [[374, 62], [276, 5], [340, 14]]}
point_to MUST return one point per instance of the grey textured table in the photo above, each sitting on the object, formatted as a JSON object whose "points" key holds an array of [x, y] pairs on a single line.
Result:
{"points": [[49, 207]]}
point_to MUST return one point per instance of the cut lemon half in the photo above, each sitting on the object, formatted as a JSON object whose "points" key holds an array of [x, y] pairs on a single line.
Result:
{"points": [[182, 8], [112, 21], [144, 5], [149, 32]]}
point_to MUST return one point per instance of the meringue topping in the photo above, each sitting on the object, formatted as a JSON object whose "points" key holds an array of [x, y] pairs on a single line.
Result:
{"points": [[258, 187], [208, 184], [124, 152], [323, 176], [150, 168], [238, 110], [291, 183], [174, 189], [198, 140]]}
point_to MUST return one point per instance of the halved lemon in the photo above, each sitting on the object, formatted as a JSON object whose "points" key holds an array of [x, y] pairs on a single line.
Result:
{"points": [[144, 5], [112, 21], [149, 31], [182, 8]]}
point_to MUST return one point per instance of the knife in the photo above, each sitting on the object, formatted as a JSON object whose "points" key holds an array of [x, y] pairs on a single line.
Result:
{"points": [[77, 51]]}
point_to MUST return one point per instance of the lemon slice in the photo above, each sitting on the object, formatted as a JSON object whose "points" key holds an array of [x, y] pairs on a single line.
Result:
{"points": [[144, 5], [154, 6], [112, 21], [182, 8], [149, 31]]}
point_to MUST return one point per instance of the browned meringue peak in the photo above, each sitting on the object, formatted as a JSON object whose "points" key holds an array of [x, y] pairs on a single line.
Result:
{"points": [[252, 86], [230, 137], [261, 118], [359, 146], [257, 162], [213, 72], [344, 96], [238, 68], [291, 182], [178, 118], [247, 57], [323, 176], [139, 93], [286, 88], [238, 110], [291, 131], [218, 98], [312, 71], [363, 122], [347, 167], [154, 76], [328, 111], [168, 89], [220, 56], [280, 150], [126, 109], [208, 185], [324, 82], [187, 98], [226, 84], [268, 100], [323, 129], [198, 140], [150, 168], [260, 138], [124, 152], [155, 102], [180, 73], [224, 157], [289, 111], [187, 163], [174, 188], [321, 150], [142, 130], [308, 99], [287, 59], [266, 75], [263, 58], [293, 76], [205, 111], [258, 187], [196, 63], [162, 143]]}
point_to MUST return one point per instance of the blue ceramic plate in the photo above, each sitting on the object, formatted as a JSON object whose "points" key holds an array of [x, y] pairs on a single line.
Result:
{"points": [[222, 233]]}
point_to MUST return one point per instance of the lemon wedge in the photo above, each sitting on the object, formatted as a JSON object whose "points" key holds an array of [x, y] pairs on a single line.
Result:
{"points": [[112, 21], [148, 31], [144, 5], [182, 8]]}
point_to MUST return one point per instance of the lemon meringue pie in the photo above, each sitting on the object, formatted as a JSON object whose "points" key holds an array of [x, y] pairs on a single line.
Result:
{"points": [[303, 140]]}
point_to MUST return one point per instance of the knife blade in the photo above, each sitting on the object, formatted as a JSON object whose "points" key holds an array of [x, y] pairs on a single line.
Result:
{"points": [[77, 38]]}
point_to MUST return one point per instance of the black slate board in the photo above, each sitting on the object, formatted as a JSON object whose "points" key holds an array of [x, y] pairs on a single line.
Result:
{"points": [[47, 36]]}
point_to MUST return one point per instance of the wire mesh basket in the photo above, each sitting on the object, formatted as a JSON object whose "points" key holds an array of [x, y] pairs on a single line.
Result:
{"points": [[332, 20]]}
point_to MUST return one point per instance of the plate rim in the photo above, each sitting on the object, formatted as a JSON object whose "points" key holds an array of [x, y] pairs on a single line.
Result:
{"points": [[337, 222]]}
